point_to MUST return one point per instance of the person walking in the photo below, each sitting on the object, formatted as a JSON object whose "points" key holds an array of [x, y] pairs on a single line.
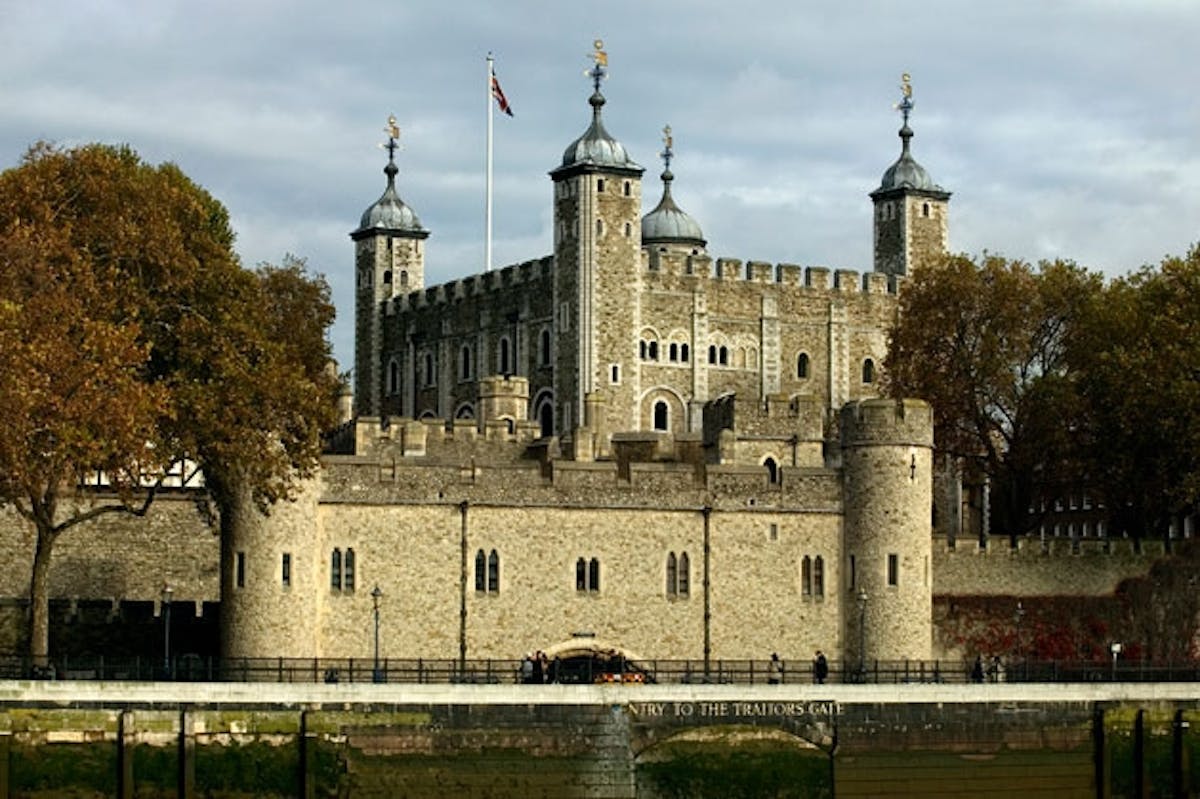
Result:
{"points": [[775, 670], [820, 668], [977, 670]]}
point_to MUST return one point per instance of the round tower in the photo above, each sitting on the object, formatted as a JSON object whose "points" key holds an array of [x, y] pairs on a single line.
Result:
{"points": [[597, 253], [911, 220], [271, 576], [389, 260], [887, 449]]}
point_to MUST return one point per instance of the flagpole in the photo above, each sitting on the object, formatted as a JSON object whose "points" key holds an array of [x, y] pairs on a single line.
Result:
{"points": [[487, 214]]}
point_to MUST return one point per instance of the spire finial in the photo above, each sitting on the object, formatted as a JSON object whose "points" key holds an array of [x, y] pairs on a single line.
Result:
{"points": [[668, 144], [905, 106], [393, 144], [599, 70]]}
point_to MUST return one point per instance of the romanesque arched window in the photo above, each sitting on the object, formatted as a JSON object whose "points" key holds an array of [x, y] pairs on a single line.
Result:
{"points": [[464, 366], [661, 416], [683, 352], [504, 362], [772, 471], [723, 356], [672, 574], [493, 572], [673, 352], [348, 571], [335, 570], [587, 575], [868, 371], [802, 366], [480, 571], [818, 576], [685, 577], [653, 350], [806, 585]]}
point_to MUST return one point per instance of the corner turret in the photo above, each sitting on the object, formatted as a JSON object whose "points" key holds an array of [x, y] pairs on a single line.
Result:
{"points": [[389, 260], [597, 253], [667, 228], [911, 211]]}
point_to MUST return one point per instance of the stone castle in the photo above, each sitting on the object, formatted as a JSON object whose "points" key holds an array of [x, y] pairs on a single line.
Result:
{"points": [[629, 440]]}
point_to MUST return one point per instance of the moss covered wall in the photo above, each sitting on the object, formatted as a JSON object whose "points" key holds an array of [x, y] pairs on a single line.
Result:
{"points": [[631, 749]]}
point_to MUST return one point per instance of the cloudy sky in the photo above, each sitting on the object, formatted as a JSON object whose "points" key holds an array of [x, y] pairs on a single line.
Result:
{"points": [[1064, 128]]}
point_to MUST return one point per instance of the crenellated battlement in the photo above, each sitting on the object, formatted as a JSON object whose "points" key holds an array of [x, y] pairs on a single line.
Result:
{"points": [[671, 264], [1035, 567], [1029, 549], [482, 285], [887, 421]]}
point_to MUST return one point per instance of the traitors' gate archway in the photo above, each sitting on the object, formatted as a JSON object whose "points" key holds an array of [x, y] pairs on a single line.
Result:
{"points": [[732, 749]]}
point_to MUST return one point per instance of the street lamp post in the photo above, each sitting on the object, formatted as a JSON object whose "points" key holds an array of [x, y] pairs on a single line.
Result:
{"points": [[1116, 651], [862, 635], [166, 603], [1020, 650], [376, 595]]}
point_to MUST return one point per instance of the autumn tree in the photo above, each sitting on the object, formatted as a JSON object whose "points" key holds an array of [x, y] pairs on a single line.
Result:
{"points": [[1136, 351], [984, 342], [131, 341]]}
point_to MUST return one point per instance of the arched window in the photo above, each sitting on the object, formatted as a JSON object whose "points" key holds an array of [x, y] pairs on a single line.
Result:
{"points": [[387, 276], [868, 371], [723, 356], [493, 572], [464, 369], [546, 419], [661, 420], [544, 349], [335, 570], [712, 353], [772, 471], [673, 352], [683, 352], [505, 357], [806, 576], [393, 377], [818, 576], [600, 185], [348, 571], [643, 349], [925, 210], [587, 575], [627, 189], [653, 350], [480, 571], [685, 578], [802, 365], [429, 373], [403, 278], [672, 574]]}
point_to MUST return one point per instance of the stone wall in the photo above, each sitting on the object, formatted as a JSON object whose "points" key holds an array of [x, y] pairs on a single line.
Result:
{"points": [[646, 743]]}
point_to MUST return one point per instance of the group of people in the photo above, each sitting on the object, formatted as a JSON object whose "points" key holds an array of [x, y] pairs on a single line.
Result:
{"points": [[820, 669], [537, 668], [993, 672]]}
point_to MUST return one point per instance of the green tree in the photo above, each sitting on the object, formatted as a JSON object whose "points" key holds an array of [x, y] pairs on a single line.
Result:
{"points": [[1136, 351], [984, 342], [132, 341]]}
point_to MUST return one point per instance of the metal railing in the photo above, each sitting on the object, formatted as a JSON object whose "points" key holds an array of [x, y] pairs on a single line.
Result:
{"points": [[193, 668]]}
